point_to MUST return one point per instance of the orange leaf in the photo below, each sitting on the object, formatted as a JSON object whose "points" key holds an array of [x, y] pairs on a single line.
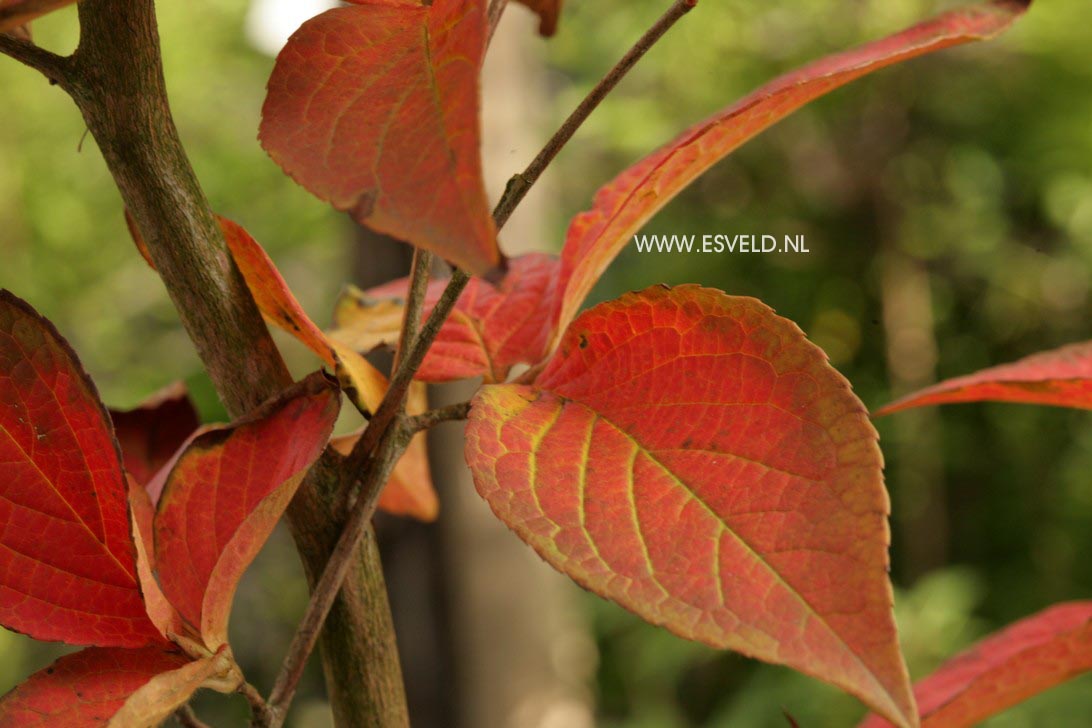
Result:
{"points": [[374, 108], [14, 13], [492, 328], [548, 12], [1031, 656], [91, 688], [162, 613], [151, 433], [409, 492], [1062, 377], [625, 204], [689, 455], [226, 493], [67, 568]]}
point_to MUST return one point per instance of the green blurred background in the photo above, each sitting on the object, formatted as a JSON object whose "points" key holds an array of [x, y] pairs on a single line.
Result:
{"points": [[947, 204]]}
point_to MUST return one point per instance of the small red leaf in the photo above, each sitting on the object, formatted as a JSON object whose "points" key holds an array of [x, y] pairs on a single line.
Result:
{"points": [[625, 204], [492, 327], [14, 13], [691, 456], [67, 569], [151, 434], [374, 108], [88, 688], [548, 12], [1062, 377], [226, 493], [1025, 659]]}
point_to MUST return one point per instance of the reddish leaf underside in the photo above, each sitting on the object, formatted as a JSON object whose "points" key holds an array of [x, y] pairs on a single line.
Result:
{"points": [[151, 433], [1062, 377], [691, 456], [374, 108], [14, 13], [1025, 659], [67, 569], [492, 327], [548, 13], [88, 688], [225, 494], [625, 204]]}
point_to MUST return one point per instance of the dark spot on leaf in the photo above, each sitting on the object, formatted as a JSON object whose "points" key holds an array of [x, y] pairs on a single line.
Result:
{"points": [[583, 341]]}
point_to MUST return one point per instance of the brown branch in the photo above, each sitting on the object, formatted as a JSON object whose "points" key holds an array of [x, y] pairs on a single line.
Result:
{"points": [[188, 719], [378, 470], [260, 713], [55, 68], [494, 15], [427, 420], [520, 184], [415, 302]]}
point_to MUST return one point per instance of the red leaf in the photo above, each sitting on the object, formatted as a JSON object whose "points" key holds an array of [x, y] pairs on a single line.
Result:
{"points": [[1061, 377], [67, 569], [225, 494], [374, 108], [151, 434], [624, 205], [1025, 659], [689, 455], [548, 12], [88, 688], [142, 512], [492, 327], [14, 13]]}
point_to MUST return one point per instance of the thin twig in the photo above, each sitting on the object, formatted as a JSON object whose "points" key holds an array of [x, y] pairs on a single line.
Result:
{"points": [[436, 416], [521, 183], [188, 719], [415, 302], [496, 11], [260, 713], [378, 469], [52, 66]]}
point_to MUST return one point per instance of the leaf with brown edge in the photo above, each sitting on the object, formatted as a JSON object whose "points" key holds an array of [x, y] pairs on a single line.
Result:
{"points": [[548, 12], [160, 611], [364, 323], [691, 456], [1027, 658], [90, 688], [373, 107], [1061, 377], [492, 328], [621, 207], [410, 491], [151, 433], [67, 569], [225, 494], [14, 13]]}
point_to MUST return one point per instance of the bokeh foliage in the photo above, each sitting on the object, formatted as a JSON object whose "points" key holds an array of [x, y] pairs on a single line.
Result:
{"points": [[964, 177]]}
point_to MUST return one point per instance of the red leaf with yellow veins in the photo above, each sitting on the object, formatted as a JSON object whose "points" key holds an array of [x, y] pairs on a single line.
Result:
{"points": [[151, 434], [1062, 377], [492, 327], [14, 13], [374, 108], [691, 456], [226, 493], [409, 492], [548, 13], [621, 207], [1027, 658], [67, 569], [90, 688]]}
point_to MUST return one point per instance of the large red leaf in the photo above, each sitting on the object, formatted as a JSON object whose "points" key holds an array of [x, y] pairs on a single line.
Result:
{"points": [[374, 108], [625, 204], [67, 569], [1031, 656], [226, 493], [151, 434], [1061, 377], [14, 13], [492, 328], [691, 456]]}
